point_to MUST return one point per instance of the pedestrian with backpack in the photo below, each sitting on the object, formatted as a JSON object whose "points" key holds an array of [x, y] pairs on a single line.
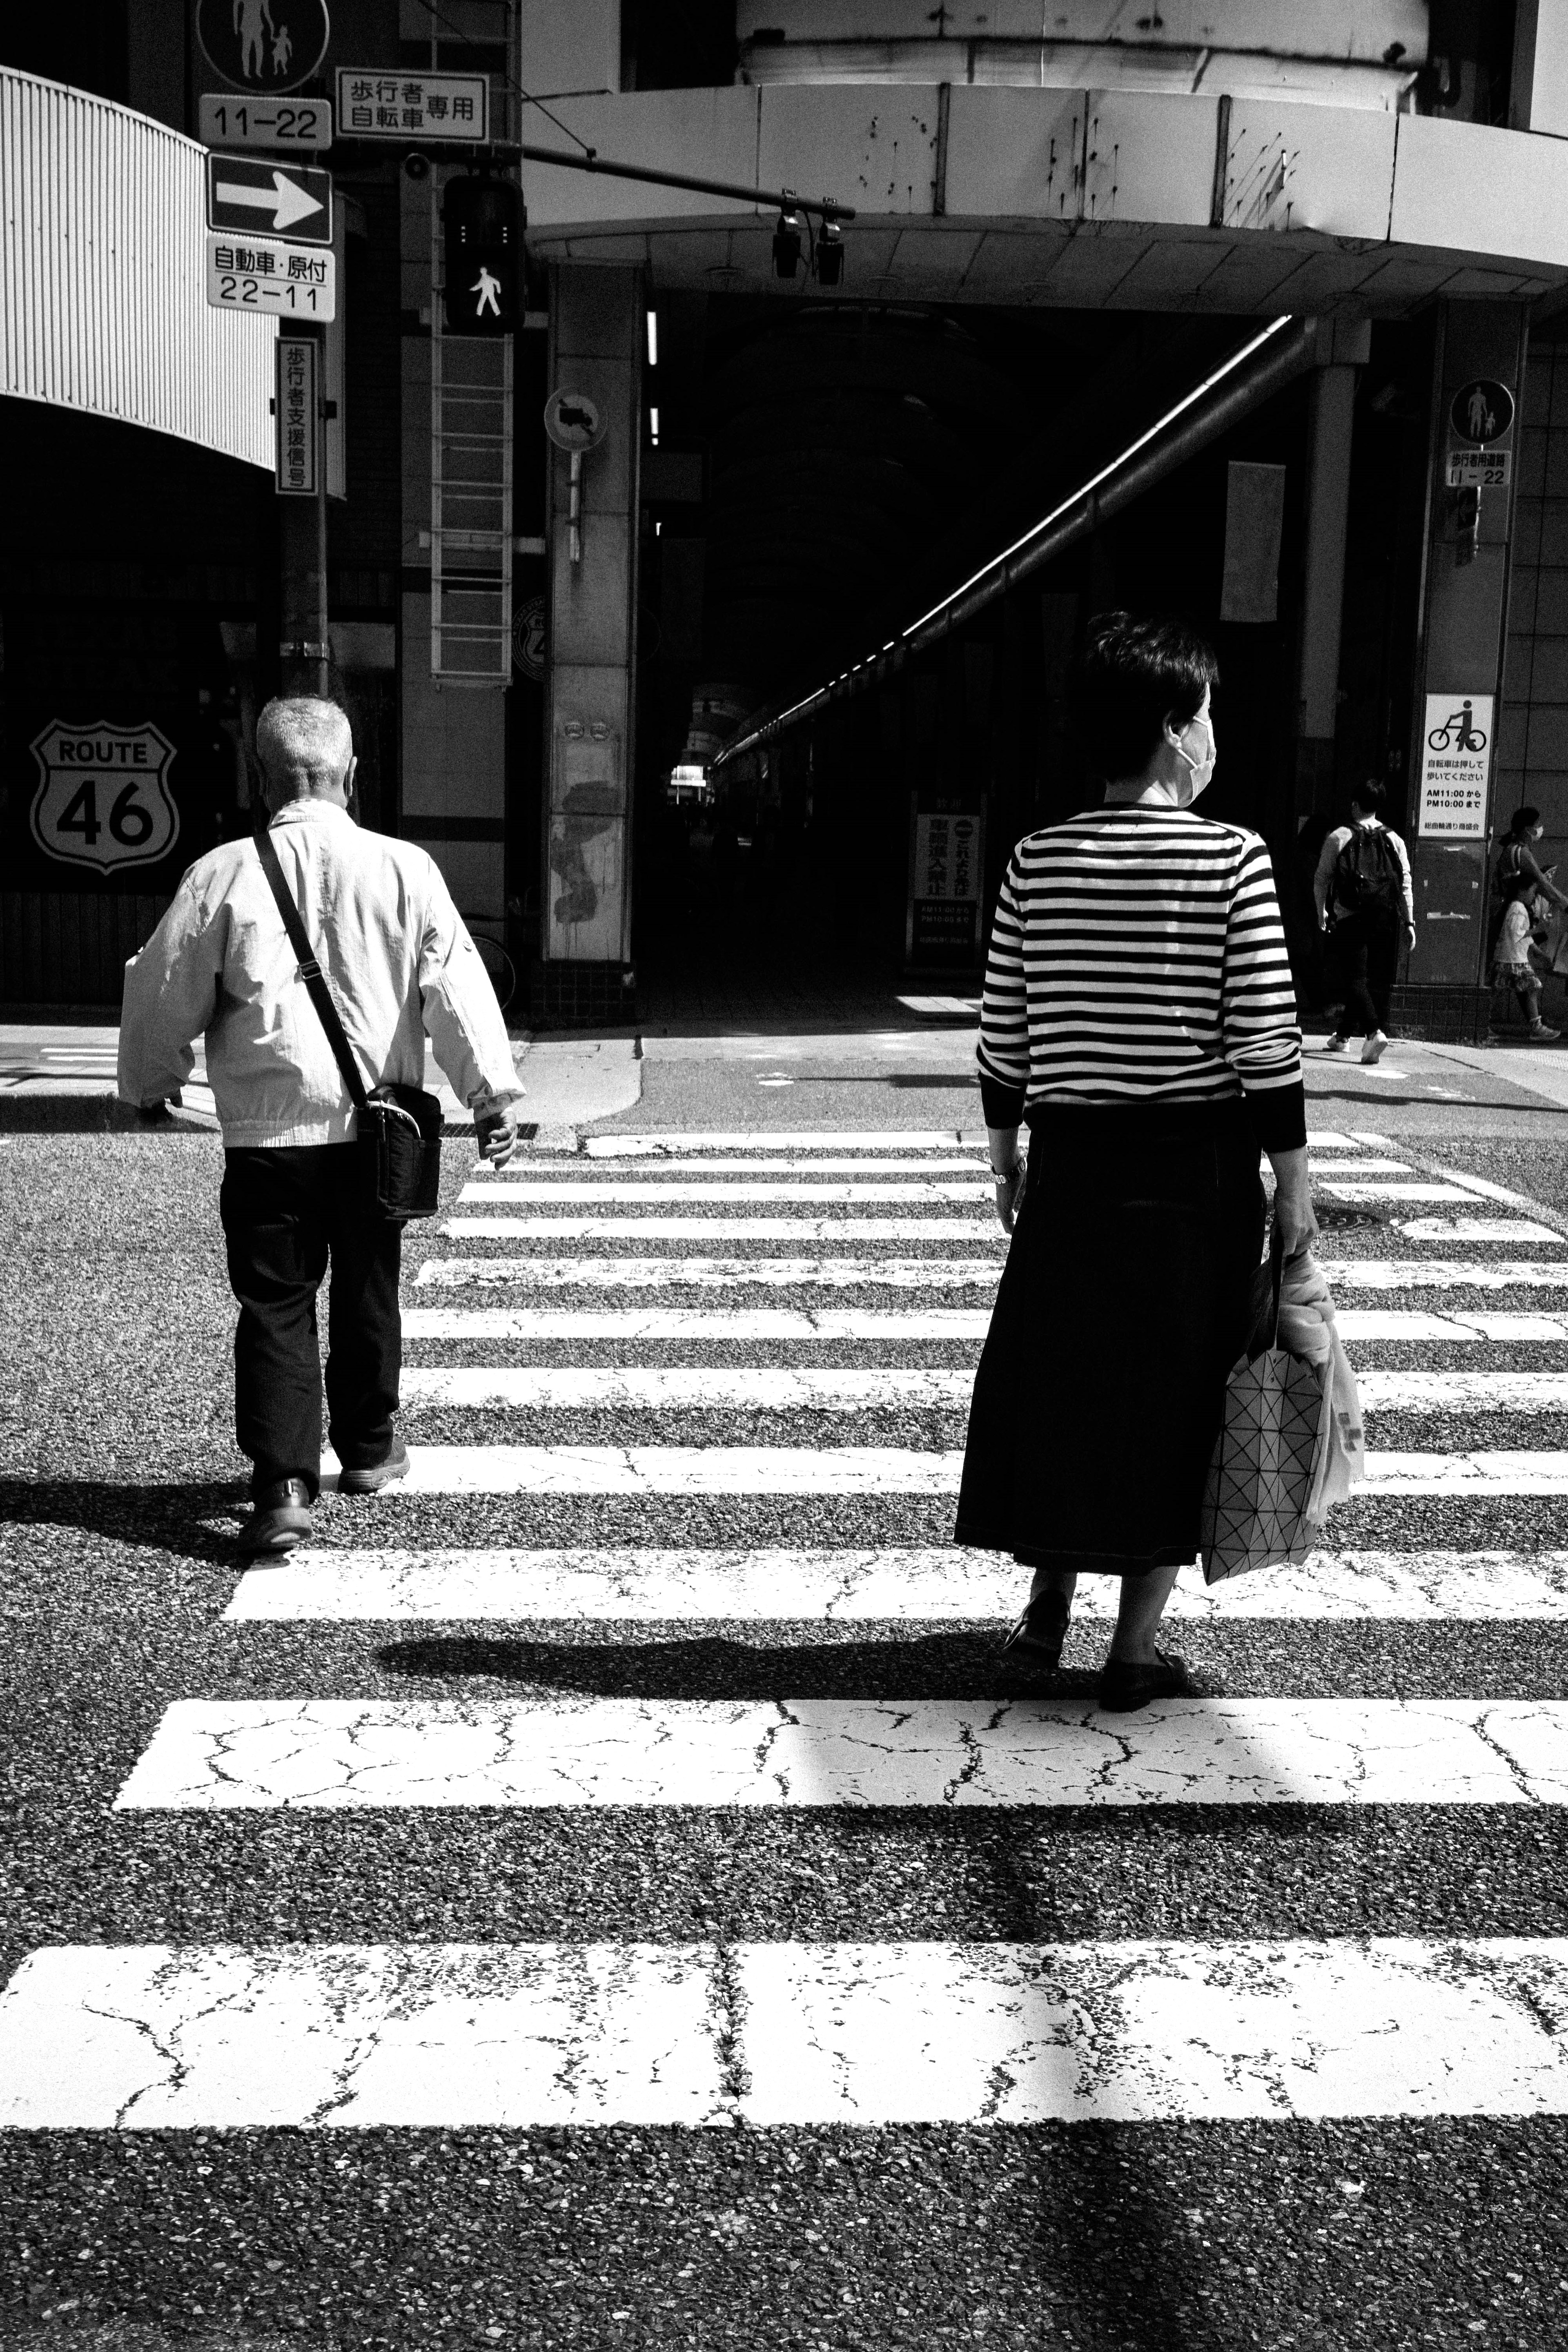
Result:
{"points": [[1365, 902]]}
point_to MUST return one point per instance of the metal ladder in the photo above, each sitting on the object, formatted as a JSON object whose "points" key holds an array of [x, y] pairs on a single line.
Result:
{"points": [[470, 494]]}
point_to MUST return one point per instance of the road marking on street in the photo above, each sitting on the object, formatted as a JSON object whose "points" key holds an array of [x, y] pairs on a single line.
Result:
{"points": [[740, 1327], [570, 1750], [710, 1273], [682, 1387], [1478, 1229], [977, 1164], [954, 1228], [747, 1326], [1383, 1391], [746, 1389], [936, 1584], [569, 1188], [345, 2037], [1385, 1189], [672, 1470], [1444, 1274], [1543, 1472], [877, 1138]]}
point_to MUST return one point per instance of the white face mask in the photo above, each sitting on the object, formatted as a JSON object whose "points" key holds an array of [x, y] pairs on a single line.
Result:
{"points": [[1202, 770]]}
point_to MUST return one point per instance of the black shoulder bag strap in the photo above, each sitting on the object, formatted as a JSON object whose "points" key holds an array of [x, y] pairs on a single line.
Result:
{"points": [[311, 972]]}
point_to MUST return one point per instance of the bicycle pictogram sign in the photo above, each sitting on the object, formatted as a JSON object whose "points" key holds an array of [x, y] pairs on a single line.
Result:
{"points": [[1458, 731]]}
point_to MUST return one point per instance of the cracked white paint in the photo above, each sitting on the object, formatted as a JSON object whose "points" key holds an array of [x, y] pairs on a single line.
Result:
{"points": [[210, 1755], [673, 1470], [570, 1188], [975, 1164], [752, 1325], [742, 1388], [1478, 1229], [741, 1326], [1459, 1392], [669, 1388], [980, 1232], [1501, 1473], [1444, 1274], [453, 2037], [710, 1273], [160, 2038], [654, 1145], [933, 1585], [873, 2033], [1391, 1188]]}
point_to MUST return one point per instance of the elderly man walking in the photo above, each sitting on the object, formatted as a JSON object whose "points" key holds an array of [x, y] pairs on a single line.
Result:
{"points": [[399, 963]]}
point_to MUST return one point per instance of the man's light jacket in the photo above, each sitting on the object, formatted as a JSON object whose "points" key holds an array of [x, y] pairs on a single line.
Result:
{"points": [[398, 960]]}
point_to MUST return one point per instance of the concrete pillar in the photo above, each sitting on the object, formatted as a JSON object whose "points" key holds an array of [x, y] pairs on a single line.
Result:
{"points": [[595, 344], [1459, 658], [1331, 406]]}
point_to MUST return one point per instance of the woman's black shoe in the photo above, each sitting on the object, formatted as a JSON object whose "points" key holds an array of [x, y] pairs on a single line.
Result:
{"points": [[1036, 1639], [1124, 1685]]}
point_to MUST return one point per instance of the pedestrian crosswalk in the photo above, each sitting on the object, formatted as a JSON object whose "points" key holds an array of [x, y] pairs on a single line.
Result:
{"points": [[777, 1467]]}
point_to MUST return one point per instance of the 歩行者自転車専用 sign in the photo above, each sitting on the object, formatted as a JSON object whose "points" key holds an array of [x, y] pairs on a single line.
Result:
{"points": [[1456, 759], [435, 109]]}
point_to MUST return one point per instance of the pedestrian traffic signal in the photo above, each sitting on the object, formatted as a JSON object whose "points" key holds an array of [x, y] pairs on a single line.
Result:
{"points": [[483, 222]]}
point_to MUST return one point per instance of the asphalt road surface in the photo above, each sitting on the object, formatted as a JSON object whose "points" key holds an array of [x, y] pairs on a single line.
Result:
{"points": [[609, 1892]]}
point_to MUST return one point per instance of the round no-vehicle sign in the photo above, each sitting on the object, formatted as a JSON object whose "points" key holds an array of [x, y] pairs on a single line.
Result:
{"points": [[103, 796]]}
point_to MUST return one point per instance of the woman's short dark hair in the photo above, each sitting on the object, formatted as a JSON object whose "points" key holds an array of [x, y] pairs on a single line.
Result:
{"points": [[1523, 820], [1370, 796], [1132, 675]]}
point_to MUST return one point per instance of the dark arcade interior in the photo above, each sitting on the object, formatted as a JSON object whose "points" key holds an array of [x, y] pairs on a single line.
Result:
{"points": [[855, 466]]}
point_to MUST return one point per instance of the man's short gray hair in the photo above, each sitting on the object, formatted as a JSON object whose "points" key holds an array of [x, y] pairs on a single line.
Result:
{"points": [[304, 741]]}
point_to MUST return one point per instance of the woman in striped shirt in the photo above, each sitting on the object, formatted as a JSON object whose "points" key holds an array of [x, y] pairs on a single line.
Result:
{"points": [[1139, 1018]]}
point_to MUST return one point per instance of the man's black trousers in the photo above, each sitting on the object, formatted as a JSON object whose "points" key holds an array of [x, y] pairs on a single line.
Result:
{"points": [[286, 1212], [1367, 951]]}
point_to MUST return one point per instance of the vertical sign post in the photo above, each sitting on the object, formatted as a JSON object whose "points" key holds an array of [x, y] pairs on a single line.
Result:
{"points": [[298, 409]]}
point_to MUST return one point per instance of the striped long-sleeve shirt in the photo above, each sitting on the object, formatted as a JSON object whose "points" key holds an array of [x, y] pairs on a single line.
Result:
{"points": [[1137, 956]]}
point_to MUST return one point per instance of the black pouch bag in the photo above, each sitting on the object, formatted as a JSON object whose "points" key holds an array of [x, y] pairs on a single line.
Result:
{"points": [[398, 1128]]}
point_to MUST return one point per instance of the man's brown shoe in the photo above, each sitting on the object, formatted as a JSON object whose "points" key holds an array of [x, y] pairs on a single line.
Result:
{"points": [[392, 1465], [279, 1520]]}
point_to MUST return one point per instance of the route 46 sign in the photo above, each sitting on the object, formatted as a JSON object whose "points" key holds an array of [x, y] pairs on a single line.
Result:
{"points": [[103, 795]]}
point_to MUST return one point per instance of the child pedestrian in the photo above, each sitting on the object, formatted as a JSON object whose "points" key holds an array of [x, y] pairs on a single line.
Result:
{"points": [[1511, 968]]}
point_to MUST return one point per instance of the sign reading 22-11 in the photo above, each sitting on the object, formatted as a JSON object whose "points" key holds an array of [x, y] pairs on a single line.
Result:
{"points": [[103, 796]]}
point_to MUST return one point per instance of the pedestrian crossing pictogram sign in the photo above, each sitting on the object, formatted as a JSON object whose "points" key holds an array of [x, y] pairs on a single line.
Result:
{"points": [[103, 796], [263, 45], [248, 193]]}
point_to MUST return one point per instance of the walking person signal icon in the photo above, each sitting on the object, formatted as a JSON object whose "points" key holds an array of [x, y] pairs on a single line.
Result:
{"points": [[482, 223]]}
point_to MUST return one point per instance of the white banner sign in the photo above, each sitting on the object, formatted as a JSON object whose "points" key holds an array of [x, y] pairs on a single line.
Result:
{"points": [[265, 274], [1455, 754]]}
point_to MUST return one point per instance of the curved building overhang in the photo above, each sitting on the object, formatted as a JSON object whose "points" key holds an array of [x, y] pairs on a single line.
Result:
{"points": [[1073, 198], [102, 301]]}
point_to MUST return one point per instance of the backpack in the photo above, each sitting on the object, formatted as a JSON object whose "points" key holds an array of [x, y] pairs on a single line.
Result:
{"points": [[1368, 875]]}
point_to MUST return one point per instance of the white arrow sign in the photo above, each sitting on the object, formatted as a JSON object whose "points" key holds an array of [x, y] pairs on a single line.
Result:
{"points": [[285, 199]]}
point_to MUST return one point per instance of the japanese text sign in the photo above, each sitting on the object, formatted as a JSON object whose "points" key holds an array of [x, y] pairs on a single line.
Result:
{"points": [[263, 274], [297, 437], [429, 107], [1455, 755]]}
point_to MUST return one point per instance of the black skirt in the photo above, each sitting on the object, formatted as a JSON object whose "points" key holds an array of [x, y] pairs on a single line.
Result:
{"points": [[1123, 1307]]}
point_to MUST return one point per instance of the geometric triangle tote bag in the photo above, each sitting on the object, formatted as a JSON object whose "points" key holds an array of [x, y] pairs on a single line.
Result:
{"points": [[1260, 1478]]}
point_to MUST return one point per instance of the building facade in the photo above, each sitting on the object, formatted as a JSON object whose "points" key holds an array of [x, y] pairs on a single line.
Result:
{"points": [[1251, 319]]}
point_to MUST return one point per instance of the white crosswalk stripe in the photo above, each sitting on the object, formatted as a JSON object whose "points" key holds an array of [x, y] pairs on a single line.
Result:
{"points": [[456, 2036], [214, 1756], [650, 1470], [710, 1273], [916, 1586], [513, 2036], [744, 1327]]}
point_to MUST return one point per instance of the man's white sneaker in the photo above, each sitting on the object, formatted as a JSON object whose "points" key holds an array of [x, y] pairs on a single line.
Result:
{"points": [[1338, 1045], [1375, 1048]]}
